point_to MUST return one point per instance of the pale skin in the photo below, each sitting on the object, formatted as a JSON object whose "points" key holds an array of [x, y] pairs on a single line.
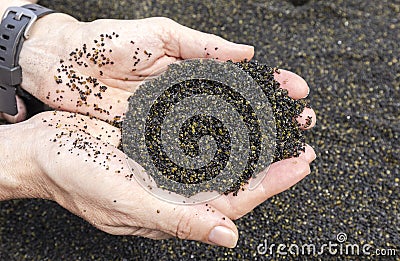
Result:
{"points": [[96, 189]]}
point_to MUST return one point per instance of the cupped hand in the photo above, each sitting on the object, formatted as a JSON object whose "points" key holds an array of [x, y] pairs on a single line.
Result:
{"points": [[90, 177], [92, 68]]}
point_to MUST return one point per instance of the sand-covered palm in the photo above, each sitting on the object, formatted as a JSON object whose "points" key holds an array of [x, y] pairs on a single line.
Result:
{"points": [[94, 67], [74, 160]]}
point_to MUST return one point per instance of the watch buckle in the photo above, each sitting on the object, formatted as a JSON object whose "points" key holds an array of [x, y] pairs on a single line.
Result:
{"points": [[19, 13]]}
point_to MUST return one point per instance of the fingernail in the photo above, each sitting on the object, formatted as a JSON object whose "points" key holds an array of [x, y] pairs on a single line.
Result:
{"points": [[308, 92], [241, 45], [245, 46], [223, 236]]}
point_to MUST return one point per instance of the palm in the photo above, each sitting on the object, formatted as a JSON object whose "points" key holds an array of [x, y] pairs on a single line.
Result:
{"points": [[128, 51], [103, 191], [103, 62]]}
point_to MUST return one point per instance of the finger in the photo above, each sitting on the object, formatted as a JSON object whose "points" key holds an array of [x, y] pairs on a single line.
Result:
{"points": [[126, 204], [307, 119], [187, 43], [201, 223], [151, 233], [184, 222], [296, 86], [308, 154], [20, 116], [194, 222], [74, 122], [280, 176], [134, 231]]}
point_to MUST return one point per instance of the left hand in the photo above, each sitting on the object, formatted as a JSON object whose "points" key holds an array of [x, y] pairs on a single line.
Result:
{"points": [[93, 68]]}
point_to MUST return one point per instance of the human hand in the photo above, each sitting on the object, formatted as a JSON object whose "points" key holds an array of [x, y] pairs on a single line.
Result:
{"points": [[93, 203], [89, 176], [93, 68]]}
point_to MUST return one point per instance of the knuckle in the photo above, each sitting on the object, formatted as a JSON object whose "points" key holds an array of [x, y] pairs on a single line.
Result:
{"points": [[303, 169], [236, 212], [183, 228], [166, 19]]}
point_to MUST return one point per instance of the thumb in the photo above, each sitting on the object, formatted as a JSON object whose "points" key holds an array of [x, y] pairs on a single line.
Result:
{"points": [[187, 43], [200, 222]]}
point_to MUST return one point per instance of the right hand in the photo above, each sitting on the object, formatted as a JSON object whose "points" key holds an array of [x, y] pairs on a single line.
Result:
{"points": [[74, 160]]}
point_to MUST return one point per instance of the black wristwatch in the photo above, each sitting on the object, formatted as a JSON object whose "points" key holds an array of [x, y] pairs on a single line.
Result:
{"points": [[14, 29]]}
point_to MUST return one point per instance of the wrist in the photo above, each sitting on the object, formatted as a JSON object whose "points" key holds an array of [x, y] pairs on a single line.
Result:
{"points": [[42, 51], [47, 36], [20, 177], [16, 27]]}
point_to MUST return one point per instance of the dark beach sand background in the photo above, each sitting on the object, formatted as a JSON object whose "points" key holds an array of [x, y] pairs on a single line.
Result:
{"points": [[348, 51]]}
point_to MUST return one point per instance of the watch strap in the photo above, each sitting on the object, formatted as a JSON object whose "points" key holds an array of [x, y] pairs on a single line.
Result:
{"points": [[14, 29]]}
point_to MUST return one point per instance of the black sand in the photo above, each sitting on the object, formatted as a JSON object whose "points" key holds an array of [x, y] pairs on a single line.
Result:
{"points": [[348, 51], [266, 134]]}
